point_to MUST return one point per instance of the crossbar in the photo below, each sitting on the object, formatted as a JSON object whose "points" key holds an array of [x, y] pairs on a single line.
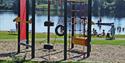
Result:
{"points": [[24, 44]]}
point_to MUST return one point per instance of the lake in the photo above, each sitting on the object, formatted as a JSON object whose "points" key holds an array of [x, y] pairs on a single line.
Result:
{"points": [[6, 22]]}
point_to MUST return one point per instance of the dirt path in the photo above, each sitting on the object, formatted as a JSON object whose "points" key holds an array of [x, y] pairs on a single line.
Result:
{"points": [[99, 54]]}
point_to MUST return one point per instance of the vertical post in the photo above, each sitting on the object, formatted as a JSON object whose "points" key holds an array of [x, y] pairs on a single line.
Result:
{"points": [[33, 28], [65, 29], [89, 27], [60, 9], [84, 26], [73, 21], [27, 24], [18, 27], [48, 37]]}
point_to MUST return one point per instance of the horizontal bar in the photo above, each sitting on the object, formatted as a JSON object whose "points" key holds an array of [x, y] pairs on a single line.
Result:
{"points": [[24, 44]]}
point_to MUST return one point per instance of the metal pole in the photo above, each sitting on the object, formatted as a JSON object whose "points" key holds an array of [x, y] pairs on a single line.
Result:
{"points": [[33, 28], [73, 21], [27, 24], [89, 27], [65, 29], [84, 28], [48, 37], [18, 27]]}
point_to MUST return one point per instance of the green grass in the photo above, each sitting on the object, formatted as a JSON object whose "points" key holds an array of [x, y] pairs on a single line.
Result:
{"points": [[109, 42], [45, 6], [120, 36], [6, 35]]}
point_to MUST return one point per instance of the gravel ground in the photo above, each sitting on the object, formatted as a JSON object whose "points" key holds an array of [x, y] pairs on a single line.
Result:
{"points": [[99, 54]]}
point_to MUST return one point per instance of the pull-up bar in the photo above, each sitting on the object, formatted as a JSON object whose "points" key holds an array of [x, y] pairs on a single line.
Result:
{"points": [[106, 24], [75, 1]]}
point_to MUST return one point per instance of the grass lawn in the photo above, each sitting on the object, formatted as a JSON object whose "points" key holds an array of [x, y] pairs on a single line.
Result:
{"points": [[45, 6], [6, 35], [109, 42]]}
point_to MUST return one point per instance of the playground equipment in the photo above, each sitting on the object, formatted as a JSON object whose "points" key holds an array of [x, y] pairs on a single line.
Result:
{"points": [[48, 24], [81, 40], [23, 25], [23, 38], [111, 35], [99, 23]]}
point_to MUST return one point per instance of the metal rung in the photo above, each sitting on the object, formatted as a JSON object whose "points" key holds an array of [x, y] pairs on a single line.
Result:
{"points": [[75, 10], [75, 30], [24, 44], [75, 1]]}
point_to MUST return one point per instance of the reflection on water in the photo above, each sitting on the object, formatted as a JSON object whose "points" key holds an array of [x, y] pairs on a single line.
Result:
{"points": [[6, 22]]}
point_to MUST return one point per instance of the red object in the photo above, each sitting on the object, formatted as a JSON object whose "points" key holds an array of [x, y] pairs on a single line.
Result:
{"points": [[23, 20]]}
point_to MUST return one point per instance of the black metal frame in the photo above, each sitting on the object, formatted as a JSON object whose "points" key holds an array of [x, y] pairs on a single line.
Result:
{"points": [[65, 29], [27, 28], [48, 33], [33, 28], [89, 27], [27, 24], [18, 28], [73, 24]]}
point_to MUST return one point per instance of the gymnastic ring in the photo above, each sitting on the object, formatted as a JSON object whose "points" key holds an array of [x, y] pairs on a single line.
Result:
{"points": [[56, 30]]}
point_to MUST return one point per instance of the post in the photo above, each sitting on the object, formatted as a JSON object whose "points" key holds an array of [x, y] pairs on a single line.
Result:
{"points": [[18, 27], [89, 27], [48, 36], [84, 26], [73, 22], [33, 28], [27, 24], [65, 29]]}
